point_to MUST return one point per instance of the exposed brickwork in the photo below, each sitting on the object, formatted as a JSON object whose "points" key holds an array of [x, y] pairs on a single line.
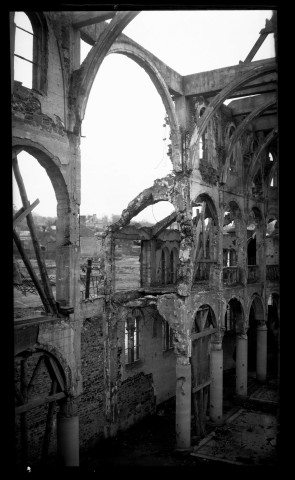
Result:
{"points": [[135, 399], [92, 401], [27, 107], [36, 418], [209, 173]]}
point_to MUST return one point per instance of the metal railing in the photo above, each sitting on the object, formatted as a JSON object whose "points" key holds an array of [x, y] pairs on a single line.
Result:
{"points": [[203, 271], [253, 274], [231, 275], [272, 272]]}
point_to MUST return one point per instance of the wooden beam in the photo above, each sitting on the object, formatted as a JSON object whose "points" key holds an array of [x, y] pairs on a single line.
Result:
{"points": [[31, 271], [18, 395], [201, 386], [22, 213], [238, 82], [213, 81], [160, 226], [39, 401], [246, 105], [57, 374], [36, 370], [204, 333], [255, 48], [83, 19], [40, 260]]}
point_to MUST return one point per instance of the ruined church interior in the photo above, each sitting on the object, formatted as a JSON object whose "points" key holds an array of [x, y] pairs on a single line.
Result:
{"points": [[173, 325]]}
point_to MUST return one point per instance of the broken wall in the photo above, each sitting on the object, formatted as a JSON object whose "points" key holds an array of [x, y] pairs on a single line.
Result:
{"points": [[127, 265], [91, 405]]}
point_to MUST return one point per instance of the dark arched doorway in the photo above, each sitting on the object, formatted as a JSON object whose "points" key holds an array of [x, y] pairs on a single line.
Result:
{"points": [[202, 329], [233, 324], [273, 327]]}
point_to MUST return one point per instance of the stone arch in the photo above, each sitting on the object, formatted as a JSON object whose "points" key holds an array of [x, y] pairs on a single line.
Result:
{"points": [[235, 209], [144, 60], [257, 303], [235, 315], [244, 125], [52, 166], [233, 243], [272, 213], [83, 78], [41, 383], [52, 352], [234, 332], [273, 334], [255, 165], [204, 321], [218, 100], [203, 316], [162, 190], [257, 338], [211, 210]]}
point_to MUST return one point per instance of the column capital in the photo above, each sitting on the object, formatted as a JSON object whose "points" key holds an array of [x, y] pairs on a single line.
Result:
{"points": [[182, 360], [216, 339], [261, 327], [242, 336]]}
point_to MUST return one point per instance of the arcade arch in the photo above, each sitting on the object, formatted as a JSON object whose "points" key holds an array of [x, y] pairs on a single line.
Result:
{"points": [[203, 327]]}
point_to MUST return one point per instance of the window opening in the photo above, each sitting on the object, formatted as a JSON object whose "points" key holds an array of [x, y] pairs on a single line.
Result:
{"points": [[163, 267], [132, 340], [167, 336], [23, 50], [229, 319]]}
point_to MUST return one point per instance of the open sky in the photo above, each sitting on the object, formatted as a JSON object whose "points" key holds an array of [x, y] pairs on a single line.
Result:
{"points": [[123, 148]]}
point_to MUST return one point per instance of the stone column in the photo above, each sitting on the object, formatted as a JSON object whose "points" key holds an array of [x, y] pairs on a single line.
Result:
{"points": [[183, 402], [241, 364], [216, 386], [68, 434], [261, 356]]}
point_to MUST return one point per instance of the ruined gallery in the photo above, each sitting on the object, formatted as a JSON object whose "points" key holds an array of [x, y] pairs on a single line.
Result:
{"points": [[179, 320]]}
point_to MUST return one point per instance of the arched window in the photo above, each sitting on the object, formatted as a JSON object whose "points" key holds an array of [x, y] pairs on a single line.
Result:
{"points": [[164, 266], [30, 50], [23, 49], [132, 339], [173, 265], [232, 160], [167, 336], [251, 251]]}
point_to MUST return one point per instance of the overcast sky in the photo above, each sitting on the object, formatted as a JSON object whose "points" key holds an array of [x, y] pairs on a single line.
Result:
{"points": [[124, 149]]}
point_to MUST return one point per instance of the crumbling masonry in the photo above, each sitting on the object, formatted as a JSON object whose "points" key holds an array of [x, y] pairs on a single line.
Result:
{"points": [[201, 295]]}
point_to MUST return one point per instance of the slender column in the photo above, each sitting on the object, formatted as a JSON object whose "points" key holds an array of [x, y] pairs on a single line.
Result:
{"points": [[68, 434], [183, 402], [241, 364], [216, 386], [261, 358]]}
